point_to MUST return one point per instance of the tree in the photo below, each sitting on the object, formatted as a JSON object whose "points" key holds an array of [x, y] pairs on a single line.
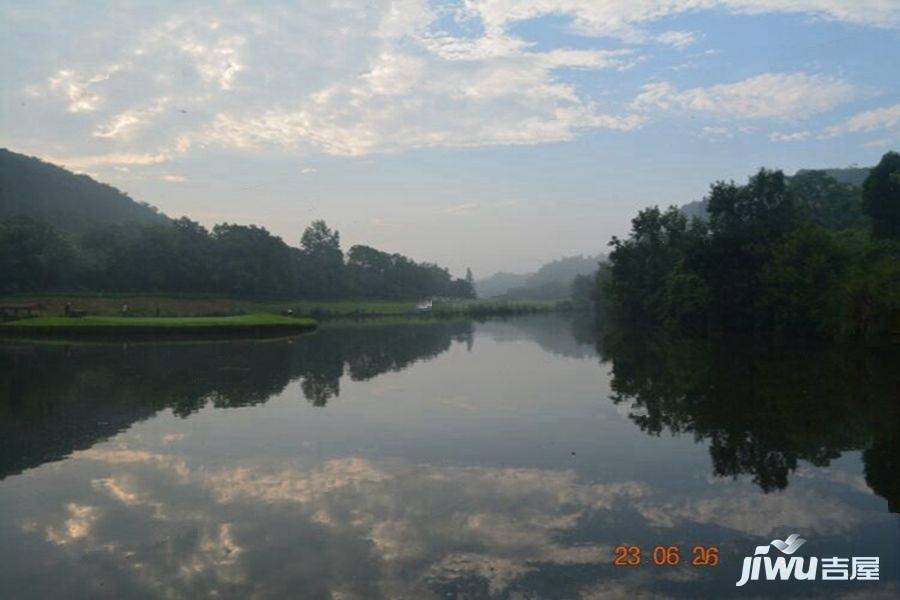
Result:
{"points": [[322, 261], [881, 197], [33, 256], [775, 258], [764, 208], [583, 289], [825, 201], [641, 265]]}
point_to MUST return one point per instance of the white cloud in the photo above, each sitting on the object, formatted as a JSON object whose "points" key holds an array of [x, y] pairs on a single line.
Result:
{"points": [[214, 53], [435, 524], [80, 163], [125, 124], [385, 78], [797, 136], [716, 132], [461, 209], [77, 526], [352, 77], [766, 96], [174, 178], [415, 98], [677, 39], [880, 143], [879, 119], [625, 19], [79, 89]]}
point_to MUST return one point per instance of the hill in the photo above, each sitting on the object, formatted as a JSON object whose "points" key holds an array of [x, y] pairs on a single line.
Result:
{"points": [[61, 232], [850, 176], [553, 281], [69, 202]]}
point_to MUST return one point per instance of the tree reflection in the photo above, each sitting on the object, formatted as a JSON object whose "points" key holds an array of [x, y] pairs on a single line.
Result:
{"points": [[762, 409], [58, 398]]}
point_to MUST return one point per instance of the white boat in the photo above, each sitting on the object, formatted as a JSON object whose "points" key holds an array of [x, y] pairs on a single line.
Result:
{"points": [[424, 306]]}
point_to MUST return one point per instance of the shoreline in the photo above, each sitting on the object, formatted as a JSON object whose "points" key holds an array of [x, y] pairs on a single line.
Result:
{"points": [[149, 305], [254, 325]]}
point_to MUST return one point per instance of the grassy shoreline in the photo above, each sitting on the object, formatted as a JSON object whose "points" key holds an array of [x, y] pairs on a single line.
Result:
{"points": [[147, 305], [106, 326]]}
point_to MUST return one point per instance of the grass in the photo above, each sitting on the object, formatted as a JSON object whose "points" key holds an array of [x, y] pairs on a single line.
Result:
{"points": [[252, 324], [188, 306]]}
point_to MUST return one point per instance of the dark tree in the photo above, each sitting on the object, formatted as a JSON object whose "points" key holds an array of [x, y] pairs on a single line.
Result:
{"points": [[881, 197], [322, 261]]}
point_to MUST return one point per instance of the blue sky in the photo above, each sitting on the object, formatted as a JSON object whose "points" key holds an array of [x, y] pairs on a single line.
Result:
{"points": [[496, 134]]}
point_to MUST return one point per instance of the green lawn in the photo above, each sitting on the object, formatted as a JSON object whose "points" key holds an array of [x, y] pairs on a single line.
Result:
{"points": [[103, 305], [254, 323]]}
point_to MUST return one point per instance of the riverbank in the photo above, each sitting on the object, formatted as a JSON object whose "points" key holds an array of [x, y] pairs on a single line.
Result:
{"points": [[211, 306], [117, 327]]}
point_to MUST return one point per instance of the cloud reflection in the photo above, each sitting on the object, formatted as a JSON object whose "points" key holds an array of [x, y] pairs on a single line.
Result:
{"points": [[353, 527]]}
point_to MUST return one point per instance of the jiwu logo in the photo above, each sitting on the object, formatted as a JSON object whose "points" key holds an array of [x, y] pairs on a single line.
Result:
{"points": [[834, 568], [780, 568]]}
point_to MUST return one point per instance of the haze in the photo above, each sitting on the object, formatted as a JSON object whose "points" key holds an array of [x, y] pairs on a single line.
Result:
{"points": [[489, 134]]}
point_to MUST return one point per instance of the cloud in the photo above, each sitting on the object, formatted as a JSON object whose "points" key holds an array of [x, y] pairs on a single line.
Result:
{"points": [[214, 52], [125, 124], [468, 208], [884, 119], [352, 78], [174, 178], [797, 136], [386, 79], [79, 89], [779, 96], [878, 119], [419, 99], [627, 19], [719, 132], [438, 525], [77, 526], [461, 209], [79, 163], [677, 39]]}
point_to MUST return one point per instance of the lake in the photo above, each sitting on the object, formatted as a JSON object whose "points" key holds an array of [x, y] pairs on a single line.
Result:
{"points": [[429, 458]]}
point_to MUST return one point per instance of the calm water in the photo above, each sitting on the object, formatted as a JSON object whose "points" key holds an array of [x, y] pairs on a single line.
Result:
{"points": [[439, 459]]}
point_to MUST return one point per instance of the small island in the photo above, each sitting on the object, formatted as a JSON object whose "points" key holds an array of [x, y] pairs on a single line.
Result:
{"points": [[104, 326]]}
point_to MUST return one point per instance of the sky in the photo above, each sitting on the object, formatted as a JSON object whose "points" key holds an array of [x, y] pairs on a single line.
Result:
{"points": [[491, 134]]}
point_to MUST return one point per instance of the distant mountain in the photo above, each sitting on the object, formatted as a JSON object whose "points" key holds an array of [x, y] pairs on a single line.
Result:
{"points": [[697, 208], [853, 176], [553, 281], [69, 202]]}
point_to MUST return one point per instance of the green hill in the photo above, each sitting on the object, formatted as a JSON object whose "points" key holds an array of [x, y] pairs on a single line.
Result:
{"points": [[69, 202]]}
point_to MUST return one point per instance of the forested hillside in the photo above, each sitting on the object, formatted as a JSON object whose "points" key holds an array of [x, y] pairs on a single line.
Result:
{"points": [[65, 232], [72, 203], [806, 256]]}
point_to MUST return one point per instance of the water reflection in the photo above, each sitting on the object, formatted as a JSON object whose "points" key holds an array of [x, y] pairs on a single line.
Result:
{"points": [[762, 410], [58, 398], [433, 459]]}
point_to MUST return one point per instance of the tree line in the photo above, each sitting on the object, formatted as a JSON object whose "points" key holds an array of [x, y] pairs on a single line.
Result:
{"points": [[181, 256], [805, 255]]}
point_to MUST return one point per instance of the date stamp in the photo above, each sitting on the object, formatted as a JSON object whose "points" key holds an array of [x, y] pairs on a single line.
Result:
{"points": [[665, 556]]}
